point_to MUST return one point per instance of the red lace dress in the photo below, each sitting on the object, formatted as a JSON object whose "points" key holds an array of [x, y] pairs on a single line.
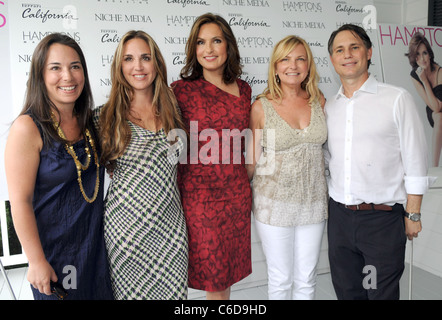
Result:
{"points": [[214, 186]]}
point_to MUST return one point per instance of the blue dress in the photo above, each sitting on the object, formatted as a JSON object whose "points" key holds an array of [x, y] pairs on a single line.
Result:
{"points": [[71, 229]]}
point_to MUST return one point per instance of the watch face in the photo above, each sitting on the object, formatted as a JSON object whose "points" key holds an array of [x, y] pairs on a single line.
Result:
{"points": [[415, 217]]}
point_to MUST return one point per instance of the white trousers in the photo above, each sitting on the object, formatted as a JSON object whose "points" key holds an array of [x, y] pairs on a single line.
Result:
{"points": [[292, 254]]}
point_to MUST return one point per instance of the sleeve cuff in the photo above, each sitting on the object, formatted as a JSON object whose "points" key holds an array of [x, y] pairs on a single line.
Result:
{"points": [[418, 185]]}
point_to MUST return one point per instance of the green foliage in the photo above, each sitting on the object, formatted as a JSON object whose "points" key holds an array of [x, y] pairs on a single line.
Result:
{"points": [[14, 243]]}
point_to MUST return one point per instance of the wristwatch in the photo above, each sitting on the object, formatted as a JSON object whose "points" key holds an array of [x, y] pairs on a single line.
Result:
{"points": [[413, 216]]}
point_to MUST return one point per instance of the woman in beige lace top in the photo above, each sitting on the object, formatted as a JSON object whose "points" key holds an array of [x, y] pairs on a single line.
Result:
{"points": [[286, 164]]}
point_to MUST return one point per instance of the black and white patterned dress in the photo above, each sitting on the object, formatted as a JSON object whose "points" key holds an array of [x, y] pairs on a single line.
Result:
{"points": [[144, 225]]}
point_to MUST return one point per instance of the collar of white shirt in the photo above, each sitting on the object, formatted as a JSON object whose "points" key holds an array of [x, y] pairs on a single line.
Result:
{"points": [[369, 86]]}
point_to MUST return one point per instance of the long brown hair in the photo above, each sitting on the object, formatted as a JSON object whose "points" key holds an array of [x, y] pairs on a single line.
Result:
{"points": [[418, 39], [37, 102], [115, 132], [193, 70]]}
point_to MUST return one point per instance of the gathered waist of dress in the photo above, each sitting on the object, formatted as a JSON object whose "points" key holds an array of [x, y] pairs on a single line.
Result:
{"points": [[295, 148]]}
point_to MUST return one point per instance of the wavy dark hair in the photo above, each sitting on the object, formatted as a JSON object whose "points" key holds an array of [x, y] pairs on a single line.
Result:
{"points": [[193, 70], [37, 102], [418, 39]]}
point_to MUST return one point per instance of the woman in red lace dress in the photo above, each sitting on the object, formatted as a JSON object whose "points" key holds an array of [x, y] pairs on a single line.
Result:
{"points": [[215, 190]]}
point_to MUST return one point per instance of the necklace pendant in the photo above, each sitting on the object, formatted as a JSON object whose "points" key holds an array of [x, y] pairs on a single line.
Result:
{"points": [[80, 167]]}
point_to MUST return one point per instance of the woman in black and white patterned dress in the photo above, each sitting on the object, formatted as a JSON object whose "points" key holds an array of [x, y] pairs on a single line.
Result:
{"points": [[145, 229]]}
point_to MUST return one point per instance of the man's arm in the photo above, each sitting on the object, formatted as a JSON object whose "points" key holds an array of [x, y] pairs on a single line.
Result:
{"points": [[412, 228]]}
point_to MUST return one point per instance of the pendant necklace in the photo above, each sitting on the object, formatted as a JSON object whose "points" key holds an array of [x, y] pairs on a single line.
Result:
{"points": [[80, 166]]}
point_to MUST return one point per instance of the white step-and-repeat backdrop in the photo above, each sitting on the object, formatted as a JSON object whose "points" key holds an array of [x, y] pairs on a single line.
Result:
{"points": [[98, 25], [258, 25]]}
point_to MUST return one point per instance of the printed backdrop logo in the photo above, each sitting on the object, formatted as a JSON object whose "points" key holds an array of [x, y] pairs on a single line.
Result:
{"points": [[254, 80], [185, 3], [110, 36], [24, 58], [316, 44], [33, 37], [122, 2], [2, 17], [246, 3], [181, 21], [105, 82], [303, 24], [255, 42], [122, 18], [175, 40], [179, 58], [321, 62], [237, 20], [302, 6], [254, 60], [106, 60], [37, 13], [348, 9], [325, 80]]}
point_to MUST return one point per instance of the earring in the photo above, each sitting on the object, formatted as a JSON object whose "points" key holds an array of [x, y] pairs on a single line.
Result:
{"points": [[277, 79]]}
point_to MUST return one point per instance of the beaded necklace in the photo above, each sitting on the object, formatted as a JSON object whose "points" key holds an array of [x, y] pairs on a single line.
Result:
{"points": [[81, 167]]}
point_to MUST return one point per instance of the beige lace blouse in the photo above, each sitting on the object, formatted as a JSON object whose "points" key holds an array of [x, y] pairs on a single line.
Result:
{"points": [[289, 185]]}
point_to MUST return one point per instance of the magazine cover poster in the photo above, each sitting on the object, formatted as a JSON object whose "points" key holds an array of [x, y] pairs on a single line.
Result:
{"points": [[412, 59]]}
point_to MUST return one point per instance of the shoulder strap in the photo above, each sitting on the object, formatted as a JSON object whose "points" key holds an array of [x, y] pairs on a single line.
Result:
{"points": [[437, 76], [267, 107], [37, 123]]}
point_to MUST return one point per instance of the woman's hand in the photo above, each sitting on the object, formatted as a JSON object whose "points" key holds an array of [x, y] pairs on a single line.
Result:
{"points": [[422, 74], [110, 168], [40, 275]]}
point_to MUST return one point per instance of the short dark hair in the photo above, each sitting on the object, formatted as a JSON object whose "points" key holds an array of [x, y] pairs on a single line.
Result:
{"points": [[357, 31]]}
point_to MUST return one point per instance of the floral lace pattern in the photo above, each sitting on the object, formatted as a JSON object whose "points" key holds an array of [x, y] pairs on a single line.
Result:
{"points": [[296, 192], [216, 198]]}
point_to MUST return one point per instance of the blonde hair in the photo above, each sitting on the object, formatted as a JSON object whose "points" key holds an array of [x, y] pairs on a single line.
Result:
{"points": [[281, 50], [114, 129]]}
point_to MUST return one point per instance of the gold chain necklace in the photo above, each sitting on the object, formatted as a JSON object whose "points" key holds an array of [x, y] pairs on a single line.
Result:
{"points": [[81, 167]]}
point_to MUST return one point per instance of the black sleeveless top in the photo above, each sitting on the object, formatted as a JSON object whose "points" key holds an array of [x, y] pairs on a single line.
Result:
{"points": [[437, 90]]}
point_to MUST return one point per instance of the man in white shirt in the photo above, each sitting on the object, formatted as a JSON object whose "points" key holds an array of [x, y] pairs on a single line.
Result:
{"points": [[378, 162]]}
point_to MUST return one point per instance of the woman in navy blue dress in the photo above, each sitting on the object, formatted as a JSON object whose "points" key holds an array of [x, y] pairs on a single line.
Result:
{"points": [[54, 179]]}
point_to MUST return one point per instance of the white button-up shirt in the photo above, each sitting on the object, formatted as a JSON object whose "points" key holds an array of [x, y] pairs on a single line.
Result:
{"points": [[377, 151]]}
